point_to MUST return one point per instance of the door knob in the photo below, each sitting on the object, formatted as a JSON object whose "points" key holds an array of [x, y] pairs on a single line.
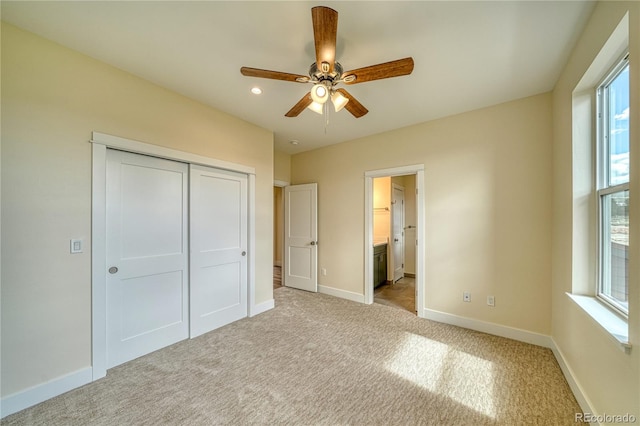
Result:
{"points": [[313, 243], [113, 270], [395, 240], [244, 253]]}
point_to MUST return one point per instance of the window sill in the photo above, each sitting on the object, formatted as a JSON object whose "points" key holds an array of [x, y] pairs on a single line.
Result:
{"points": [[615, 325]]}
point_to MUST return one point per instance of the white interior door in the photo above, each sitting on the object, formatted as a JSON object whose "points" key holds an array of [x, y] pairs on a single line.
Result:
{"points": [[218, 223], [147, 280], [397, 230], [301, 237]]}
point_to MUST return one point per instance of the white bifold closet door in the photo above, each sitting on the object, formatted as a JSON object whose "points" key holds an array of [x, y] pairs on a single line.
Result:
{"points": [[147, 255], [218, 229]]}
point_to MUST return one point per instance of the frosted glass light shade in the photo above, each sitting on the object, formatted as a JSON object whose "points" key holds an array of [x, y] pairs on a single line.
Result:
{"points": [[338, 100], [319, 93], [316, 107]]}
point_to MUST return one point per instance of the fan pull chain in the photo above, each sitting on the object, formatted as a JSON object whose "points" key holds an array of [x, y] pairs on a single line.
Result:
{"points": [[326, 115]]}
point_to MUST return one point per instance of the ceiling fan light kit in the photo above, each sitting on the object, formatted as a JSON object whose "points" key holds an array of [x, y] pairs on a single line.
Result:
{"points": [[316, 107], [338, 101], [329, 73], [320, 93]]}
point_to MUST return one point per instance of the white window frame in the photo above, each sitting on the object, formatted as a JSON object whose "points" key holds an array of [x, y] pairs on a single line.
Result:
{"points": [[603, 186]]}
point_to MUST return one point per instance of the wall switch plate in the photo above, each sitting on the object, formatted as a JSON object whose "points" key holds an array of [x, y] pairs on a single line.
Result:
{"points": [[324, 271], [76, 246], [491, 301], [466, 296]]}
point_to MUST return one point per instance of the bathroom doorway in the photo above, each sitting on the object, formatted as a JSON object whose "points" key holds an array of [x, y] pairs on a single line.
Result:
{"points": [[394, 219]]}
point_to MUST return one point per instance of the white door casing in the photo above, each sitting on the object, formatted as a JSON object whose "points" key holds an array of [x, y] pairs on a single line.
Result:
{"points": [[300, 269], [101, 143], [218, 234], [397, 231], [147, 258]]}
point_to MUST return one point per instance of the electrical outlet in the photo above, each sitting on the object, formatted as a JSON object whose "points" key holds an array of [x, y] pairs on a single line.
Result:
{"points": [[491, 301], [466, 296], [76, 246]]}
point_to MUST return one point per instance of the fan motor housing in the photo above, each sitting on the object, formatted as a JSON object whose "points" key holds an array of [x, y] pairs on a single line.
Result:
{"points": [[317, 75]]}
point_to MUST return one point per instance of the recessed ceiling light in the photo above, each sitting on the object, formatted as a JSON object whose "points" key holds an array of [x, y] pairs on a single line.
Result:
{"points": [[256, 90], [293, 142]]}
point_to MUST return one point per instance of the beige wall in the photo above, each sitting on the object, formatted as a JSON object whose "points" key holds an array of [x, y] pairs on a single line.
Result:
{"points": [[382, 208], [608, 377], [487, 201], [52, 99], [281, 166]]}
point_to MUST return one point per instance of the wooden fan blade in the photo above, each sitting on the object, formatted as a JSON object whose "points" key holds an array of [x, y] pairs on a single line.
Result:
{"points": [[325, 29], [353, 106], [275, 75], [380, 71], [300, 106]]}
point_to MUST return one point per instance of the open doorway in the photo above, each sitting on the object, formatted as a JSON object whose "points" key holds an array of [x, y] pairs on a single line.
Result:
{"points": [[394, 240], [394, 218], [278, 232]]}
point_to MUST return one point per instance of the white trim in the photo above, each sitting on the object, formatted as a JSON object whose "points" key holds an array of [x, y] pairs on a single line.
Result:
{"points": [[343, 294], [421, 242], [616, 326], [577, 390], [99, 260], [395, 171], [280, 183], [368, 240], [262, 307], [100, 143], [34, 395], [137, 147], [490, 328], [251, 273], [418, 171]]}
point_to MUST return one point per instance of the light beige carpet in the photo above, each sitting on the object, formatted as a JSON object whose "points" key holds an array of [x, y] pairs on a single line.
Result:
{"points": [[316, 359]]}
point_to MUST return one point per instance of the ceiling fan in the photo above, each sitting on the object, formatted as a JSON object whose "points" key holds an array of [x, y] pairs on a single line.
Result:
{"points": [[325, 74]]}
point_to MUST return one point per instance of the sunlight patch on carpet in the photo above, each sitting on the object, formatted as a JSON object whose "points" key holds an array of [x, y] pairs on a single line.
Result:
{"points": [[446, 371]]}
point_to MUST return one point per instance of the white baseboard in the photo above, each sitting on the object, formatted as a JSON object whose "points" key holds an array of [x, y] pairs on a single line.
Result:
{"points": [[259, 308], [581, 397], [490, 328], [29, 397], [344, 294]]}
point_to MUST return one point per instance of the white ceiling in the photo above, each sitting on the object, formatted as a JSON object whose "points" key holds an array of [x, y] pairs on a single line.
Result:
{"points": [[467, 55]]}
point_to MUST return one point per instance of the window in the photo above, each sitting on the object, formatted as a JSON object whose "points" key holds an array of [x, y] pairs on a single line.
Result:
{"points": [[613, 187]]}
